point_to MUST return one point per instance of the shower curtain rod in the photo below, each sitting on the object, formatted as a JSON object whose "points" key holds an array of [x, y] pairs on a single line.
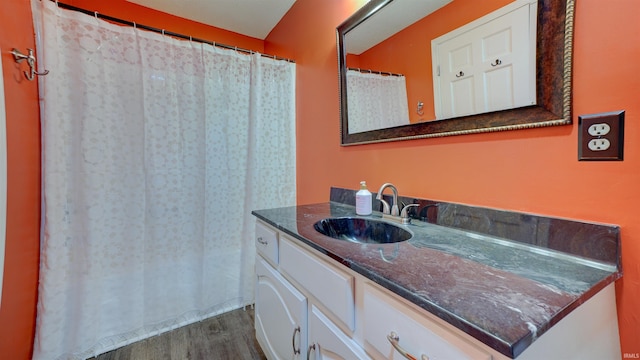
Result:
{"points": [[162, 31], [368, 71]]}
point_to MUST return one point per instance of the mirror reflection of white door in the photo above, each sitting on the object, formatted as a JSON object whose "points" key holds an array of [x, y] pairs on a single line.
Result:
{"points": [[488, 69], [3, 177], [458, 79]]}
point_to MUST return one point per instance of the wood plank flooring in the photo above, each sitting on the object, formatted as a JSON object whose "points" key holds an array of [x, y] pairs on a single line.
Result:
{"points": [[226, 336]]}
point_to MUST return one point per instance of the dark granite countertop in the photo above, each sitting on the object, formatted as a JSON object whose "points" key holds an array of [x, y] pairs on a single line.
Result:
{"points": [[504, 293]]}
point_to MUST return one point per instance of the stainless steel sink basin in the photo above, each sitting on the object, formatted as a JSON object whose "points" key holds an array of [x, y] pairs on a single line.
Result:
{"points": [[361, 230]]}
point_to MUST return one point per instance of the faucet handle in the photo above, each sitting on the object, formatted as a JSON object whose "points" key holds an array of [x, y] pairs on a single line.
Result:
{"points": [[405, 211]]}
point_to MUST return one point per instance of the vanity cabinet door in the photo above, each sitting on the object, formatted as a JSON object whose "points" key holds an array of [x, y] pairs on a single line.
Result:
{"points": [[327, 341], [280, 315]]}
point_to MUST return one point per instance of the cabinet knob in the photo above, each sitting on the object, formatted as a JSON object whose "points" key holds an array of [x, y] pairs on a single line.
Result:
{"points": [[262, 241], [394, 339]]}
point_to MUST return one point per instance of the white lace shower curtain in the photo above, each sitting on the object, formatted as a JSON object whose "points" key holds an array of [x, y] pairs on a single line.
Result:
{"points": [[155, 151], [376, 101]]}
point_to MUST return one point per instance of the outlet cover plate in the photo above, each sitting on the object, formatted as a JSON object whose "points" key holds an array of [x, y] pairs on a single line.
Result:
{"points": [[614, 136]]}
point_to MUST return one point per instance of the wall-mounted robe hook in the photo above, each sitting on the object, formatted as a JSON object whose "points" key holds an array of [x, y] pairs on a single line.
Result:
{"points": [[31, 60]]}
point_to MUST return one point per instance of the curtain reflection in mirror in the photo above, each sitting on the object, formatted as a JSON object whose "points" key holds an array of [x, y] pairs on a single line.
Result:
{"points": [[376, 101]]}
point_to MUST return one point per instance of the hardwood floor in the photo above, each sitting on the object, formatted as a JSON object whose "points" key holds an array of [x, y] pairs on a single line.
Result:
{"points": [[226, 336]]}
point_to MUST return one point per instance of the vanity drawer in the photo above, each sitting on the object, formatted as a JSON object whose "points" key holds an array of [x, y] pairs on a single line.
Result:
{"points": [[334, 289], [267, 242], [416, 334]]}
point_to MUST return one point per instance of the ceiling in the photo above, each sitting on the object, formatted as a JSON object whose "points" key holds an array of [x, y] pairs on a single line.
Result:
{"points": [[395, 16], [254, 18]]}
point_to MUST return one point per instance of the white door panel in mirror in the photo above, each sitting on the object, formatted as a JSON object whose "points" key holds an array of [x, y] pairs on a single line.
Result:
{"points": [[461, 58], [462, 95], [499, 81], [496, 52]]}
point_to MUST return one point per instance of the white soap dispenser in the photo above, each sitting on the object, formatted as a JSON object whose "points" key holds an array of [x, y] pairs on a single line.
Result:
{"points": [[363, 200]]}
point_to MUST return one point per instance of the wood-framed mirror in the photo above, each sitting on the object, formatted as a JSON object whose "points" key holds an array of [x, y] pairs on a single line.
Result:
{"points": [[553, 70]]}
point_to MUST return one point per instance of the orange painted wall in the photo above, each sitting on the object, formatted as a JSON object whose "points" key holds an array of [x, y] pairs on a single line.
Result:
{"points": [[533, 170], [19, 288], [19, 295], [409, 51]]}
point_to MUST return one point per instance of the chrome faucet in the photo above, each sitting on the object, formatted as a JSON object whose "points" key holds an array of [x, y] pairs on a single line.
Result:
{"points": [[385, 205], [393, 212]]}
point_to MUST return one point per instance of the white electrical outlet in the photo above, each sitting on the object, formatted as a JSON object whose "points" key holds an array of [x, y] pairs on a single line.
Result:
{"points": [[599, 144], [600, 129]]}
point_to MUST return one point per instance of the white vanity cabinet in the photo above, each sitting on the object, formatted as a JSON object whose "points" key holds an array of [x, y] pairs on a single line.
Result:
{"points": [[304, 306], [310, 307]]}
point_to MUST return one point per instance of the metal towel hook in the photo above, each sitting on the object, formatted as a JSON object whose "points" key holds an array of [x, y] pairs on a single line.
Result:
{"points": [[31, 60], [420, 108]]}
